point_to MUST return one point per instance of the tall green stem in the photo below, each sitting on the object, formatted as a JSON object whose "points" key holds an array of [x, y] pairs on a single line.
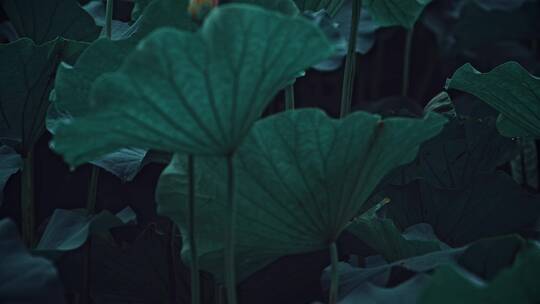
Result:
{"points": [[91, 199], [230, 269], [171, 246], [92, 191], [219, 294], [289, 97], [195, 280], [407, 63], [27, 199], [350, 61], [334, 283], [108, 18], [92, 188]]}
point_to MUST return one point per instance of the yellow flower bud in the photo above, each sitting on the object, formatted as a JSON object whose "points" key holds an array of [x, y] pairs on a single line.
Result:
{"points": [[200, 8]]}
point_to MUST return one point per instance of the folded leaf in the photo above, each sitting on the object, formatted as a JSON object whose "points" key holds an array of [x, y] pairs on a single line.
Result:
{"points": [[392, 283], [354, 280], [69, 229], [384, 237]]}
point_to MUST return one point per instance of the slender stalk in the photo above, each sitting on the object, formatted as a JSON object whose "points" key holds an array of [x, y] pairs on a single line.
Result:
{"points": [[85, 292], [27, 199], [334, 283], [92, 191], [195, 280], [219, 294], [350, 61], [172, 263], [407, 62], [92, 186], [523, 162], [91, 199], [108, 18], [230, 270], [289, 97]]}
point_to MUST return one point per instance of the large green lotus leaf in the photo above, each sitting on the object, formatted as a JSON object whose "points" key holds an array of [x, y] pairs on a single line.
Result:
{"points": [[396, 12], [330, 6], [23, 277], [518, 284], [10, 163], [508, 88], [45, 20], [465, 148], [26, 78], [301, 178], [486, 208], [73, 83], [195, 92]]}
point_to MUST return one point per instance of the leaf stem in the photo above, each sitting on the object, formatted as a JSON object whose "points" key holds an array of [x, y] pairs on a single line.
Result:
{"points": [[407, 62], [289, 97], [108, 18], [92, 191], [230, 270], [90, 210], [85, 292], [350, 61], [195, 280], [27, 199], [219, 299], [334, 283], [172, 263]]}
